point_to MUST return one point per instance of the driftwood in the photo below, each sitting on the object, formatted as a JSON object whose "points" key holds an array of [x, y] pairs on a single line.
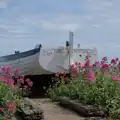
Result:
{"points": [[84, 110], [31, 111]]}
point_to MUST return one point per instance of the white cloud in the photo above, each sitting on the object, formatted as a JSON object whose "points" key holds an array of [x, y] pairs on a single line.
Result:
{"points": [[96, 26], [59, 27], [94, 22], [3, 3], [88, 17]]}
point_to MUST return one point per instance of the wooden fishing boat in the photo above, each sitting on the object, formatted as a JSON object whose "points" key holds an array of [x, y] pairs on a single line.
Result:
{"points": [[26, 61]]}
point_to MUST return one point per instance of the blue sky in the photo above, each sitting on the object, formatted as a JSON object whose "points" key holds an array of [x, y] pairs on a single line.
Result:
{"points": [[25, 23]]}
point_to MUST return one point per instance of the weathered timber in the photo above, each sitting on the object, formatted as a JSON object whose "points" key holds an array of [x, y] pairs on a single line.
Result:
{"points": [[84, 110], [96, 118], [31, 111]]}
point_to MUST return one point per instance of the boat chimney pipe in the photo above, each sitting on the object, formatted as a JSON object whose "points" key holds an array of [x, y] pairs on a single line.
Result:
{"points": [[67, 45], [78, 45]]}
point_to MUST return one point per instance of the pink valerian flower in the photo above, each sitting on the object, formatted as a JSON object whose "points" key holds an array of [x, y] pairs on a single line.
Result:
{"points": [[1, 110], [10, 82], [21, 80], [57, 74], [105, 66], [75, 71], [119, 63], [6, 70], [2, 79], [94, 66], [6, 119], [30, 83], [117, 59], [104, 59], [113, 61], [80, 65], [17, 70], [116, 78], [25, 86], [27, 80], [72, 66], [90, 76], [87, 63], [102, 62], [11, 106], [97, 63]]}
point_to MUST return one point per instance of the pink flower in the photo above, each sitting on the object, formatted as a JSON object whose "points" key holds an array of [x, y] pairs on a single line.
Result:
{"points": [[94, 65], [21, 80], [11, 106], [57, 74], [6, 119], [87, 63], [117, 59], [116, 78], [25, 86], [27, 80], [105, 66], [75, 71], [30, 83], [1, 110], [80, 65], [90, 76], [102, 62], [17, 70], [97, 63], [113, 61], [104, 59], [73, 66], [10, 82]]}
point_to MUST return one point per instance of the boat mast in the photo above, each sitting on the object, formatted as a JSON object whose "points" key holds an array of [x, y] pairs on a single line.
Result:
{"points": [[70, 48]]}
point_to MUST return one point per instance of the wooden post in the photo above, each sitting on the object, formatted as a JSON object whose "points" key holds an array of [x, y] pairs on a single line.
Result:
{"points": [[70, 50]]}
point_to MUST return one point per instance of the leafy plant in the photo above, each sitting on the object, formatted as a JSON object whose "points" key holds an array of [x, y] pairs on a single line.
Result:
{"points": [[11, 91], [97, 84]]}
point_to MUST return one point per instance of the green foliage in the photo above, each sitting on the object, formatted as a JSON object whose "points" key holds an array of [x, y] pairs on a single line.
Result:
{"points": [[104, 94], [6, 96], [11, 93], [97, 85]]}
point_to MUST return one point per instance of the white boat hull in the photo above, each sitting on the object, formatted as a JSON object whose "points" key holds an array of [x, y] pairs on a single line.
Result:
{"points": [[38, 62], [53, 61]]}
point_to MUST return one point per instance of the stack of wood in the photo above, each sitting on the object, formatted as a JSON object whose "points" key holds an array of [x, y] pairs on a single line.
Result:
{"points": [[84, 110], [31, 111]]}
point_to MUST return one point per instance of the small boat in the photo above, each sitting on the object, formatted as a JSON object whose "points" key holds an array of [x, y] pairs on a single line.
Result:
{"points": [[40, 60]]}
